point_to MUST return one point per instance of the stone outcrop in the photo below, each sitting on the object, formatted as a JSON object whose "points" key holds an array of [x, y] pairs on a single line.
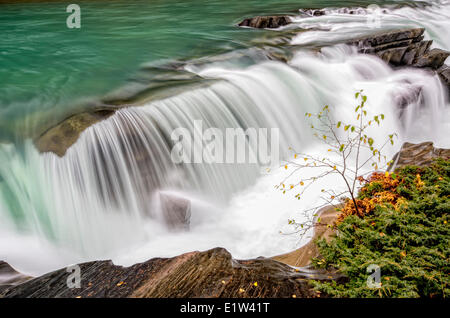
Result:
{"points": [[266, 22], [60, 137], [406, 47], [212, 273], [418, 154], [302, 256], [9, 277]]}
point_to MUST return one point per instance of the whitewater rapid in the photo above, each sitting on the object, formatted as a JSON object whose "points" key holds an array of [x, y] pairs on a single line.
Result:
{"points": [[97, 201]]}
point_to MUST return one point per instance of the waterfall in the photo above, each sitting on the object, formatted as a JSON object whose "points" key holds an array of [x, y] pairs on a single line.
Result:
{"points": [[98, 201]]}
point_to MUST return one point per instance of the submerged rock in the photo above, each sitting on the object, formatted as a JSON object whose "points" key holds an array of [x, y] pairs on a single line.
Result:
{"points": [[176, 211], [265, 22], [212, 273], [418, 154], [60, 137]]}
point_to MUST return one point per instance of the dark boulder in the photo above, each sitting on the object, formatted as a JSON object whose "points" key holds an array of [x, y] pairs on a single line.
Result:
{"points": [[444, 73], [434, 59], [385, 37], [414, 51], [212, 273], [266, 22], [176, 211]]}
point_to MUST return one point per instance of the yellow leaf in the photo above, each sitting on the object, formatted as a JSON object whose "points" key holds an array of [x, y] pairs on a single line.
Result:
{"points": [[120, 284], [403, 254], [302, 183], [386, 174], [329, 149], [255, 284], [334, 168], [285, 167], [223, 282], [295, 156], [241, 290], [294, 296], [306, 159], [78, 297], [292, 186]]}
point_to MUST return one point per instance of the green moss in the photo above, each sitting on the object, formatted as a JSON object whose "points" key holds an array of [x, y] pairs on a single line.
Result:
{"points": [[411, 244]]}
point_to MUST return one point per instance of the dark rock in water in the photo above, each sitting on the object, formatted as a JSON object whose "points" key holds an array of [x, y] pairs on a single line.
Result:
{"points": [[414, 51], [381, 38], [393, 56], [10, 277], [266, 22], [313, 12], [176, 211], [412, 95], [444, 73], [434, 59], [212, 273], [418, 154]]}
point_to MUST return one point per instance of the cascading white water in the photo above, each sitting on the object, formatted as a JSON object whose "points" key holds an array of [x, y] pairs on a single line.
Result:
{"points": [[97, 201]]}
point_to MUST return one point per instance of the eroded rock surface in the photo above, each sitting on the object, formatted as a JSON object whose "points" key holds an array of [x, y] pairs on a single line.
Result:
{"points": [[418, 154], [302, 257], [10, 277], [212, 273]]}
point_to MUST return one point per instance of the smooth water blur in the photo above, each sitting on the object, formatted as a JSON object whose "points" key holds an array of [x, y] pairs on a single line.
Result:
{"points": [[48, 71], [97, 200]]}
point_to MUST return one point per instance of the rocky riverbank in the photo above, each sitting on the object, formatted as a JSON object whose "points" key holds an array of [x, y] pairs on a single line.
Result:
{"points": [[212, 273]]}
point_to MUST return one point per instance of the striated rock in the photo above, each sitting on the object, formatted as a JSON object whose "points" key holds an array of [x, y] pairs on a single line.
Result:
{"points": [[266, 22], [384, 37], [393, 56], [212, 273], [176, 211], [417, 154], [434, 59], [10, 277], [302, 256], [444, 73], [414, 51]]}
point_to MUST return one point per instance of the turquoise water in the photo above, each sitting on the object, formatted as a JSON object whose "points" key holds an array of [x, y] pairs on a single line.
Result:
{"points": [[48, 71]]}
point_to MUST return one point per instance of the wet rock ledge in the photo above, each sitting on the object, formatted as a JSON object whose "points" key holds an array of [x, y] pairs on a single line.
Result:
{"points": [[212, 273]]}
